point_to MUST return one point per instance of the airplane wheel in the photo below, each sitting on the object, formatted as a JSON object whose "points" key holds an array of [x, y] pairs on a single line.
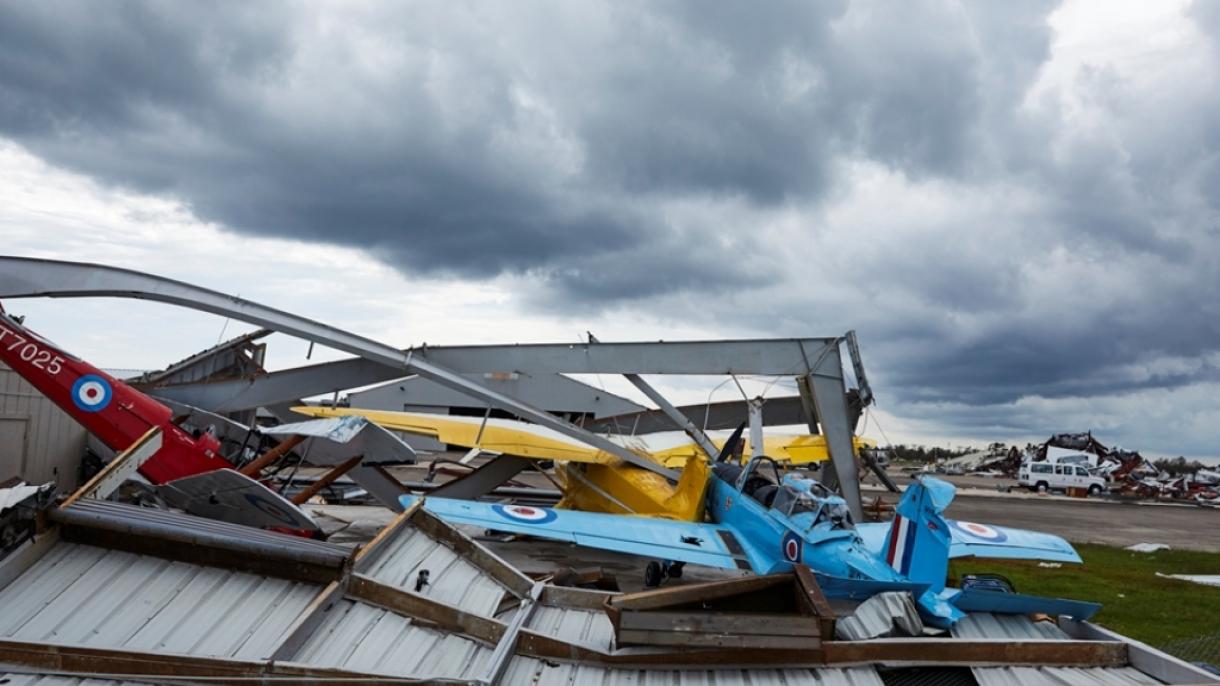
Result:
{"points": [[674, 570], [653, 574]]}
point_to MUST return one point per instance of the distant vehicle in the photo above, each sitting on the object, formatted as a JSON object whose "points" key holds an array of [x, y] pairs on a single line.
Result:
{"points": [[1044, 476]]}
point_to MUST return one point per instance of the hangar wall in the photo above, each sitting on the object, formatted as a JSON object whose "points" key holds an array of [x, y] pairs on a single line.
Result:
{"points": [[38, 441]]}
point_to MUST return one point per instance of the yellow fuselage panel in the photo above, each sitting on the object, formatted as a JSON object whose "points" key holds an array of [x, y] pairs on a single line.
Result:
{"points": [[626, 489]]}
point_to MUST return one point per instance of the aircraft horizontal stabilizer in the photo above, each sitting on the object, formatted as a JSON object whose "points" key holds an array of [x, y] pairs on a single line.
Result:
{"points": [[977, 600]]}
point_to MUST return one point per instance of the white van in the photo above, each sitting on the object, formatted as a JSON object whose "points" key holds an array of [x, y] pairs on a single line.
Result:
{"points": [[1043, 476]]}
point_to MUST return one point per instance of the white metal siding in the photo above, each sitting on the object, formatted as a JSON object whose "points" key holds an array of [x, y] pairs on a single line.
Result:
{"points": [[451, 578], [53, 441], [88, 596], [525, 670], [365, 638], [589, 627]]}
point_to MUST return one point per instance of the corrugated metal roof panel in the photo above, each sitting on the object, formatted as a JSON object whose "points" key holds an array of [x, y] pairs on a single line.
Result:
{"points": [[590, 627], [988, 625], [1016, 627], [451, 578], [524, 670], [83, 595], [1062, 676], [365, 638], [176, 526], [11, 679]]}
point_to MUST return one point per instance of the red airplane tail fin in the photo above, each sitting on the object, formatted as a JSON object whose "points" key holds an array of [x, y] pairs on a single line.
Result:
{"points": [[108, 408]]}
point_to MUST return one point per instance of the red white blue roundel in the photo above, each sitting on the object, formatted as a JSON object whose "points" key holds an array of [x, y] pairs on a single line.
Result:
{"points": [[91, 393], [790, 546], [981, 531], [524, 514], [271, 509]]}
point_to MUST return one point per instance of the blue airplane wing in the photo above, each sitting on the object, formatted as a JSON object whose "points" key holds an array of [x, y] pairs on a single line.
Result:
{"points": [[662, 539], [968, 539]]}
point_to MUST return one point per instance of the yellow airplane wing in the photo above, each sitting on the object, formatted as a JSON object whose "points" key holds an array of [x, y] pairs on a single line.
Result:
{"points": [[498, 435], [796, 449]]}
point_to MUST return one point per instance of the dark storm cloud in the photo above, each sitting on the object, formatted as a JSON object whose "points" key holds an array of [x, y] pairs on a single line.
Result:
{"points": [[648, 156], [265, 123]]}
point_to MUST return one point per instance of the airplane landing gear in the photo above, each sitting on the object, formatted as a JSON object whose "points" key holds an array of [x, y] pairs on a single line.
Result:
{"points": [[653, 574], [656, 572]]}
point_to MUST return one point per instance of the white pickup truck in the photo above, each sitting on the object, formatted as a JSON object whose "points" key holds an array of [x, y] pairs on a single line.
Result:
{"points": [[1044, 476]]}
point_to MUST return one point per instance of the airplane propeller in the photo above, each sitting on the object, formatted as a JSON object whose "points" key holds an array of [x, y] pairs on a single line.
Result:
{"points": [[730, 446]]}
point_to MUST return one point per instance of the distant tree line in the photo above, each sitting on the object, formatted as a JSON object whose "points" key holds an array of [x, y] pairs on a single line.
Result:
{"points": [[1178, 466], [919, 453]]}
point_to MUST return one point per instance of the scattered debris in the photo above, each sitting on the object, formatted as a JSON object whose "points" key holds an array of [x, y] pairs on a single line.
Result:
{"points": [[19, 507], [1204, 579], [1146, 547]]}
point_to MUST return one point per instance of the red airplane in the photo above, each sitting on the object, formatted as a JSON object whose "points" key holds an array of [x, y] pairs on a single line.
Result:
{"points": [[119, 415]]}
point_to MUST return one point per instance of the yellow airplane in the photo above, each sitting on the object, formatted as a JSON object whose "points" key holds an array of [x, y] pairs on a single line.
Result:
{"points": [[593, 480]]}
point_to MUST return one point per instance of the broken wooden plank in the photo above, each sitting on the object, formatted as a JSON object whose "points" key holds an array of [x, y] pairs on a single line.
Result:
{"points": [[366, 553], [695, 593], [721, 623], [419, 607], [118, 470], [519, 584], [581, 598], [661, 637], [309, 620], [815, 600]]}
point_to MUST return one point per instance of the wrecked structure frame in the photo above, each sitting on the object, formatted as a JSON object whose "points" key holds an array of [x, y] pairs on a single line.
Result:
{"points": [[816, 362]]}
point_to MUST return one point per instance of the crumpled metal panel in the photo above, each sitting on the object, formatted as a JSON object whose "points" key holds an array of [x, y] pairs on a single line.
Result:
{"points": [[588, 627], [885, 614], [524, 670], [11, 496], [451, 578], [988, 625], [365, 638], [87, 596], [1062, 676], [335, 439]]}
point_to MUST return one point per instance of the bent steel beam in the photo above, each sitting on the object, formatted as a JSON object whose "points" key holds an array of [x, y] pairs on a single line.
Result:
{"points": [[30, 277], [679, 420], [825, 383]]}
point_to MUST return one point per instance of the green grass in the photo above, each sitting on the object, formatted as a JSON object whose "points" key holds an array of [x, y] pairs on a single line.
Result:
{"points": [[1136, 601]]}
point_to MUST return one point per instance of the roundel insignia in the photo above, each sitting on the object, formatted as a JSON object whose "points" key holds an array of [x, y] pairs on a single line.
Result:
{"points": [[91, 393], [790, 546], [981, 531], [524, 514], [271, 509]]}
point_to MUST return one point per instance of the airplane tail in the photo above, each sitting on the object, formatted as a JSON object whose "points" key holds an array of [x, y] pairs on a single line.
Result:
{"points": [[108, 408], [917, 545], [688, 498]]}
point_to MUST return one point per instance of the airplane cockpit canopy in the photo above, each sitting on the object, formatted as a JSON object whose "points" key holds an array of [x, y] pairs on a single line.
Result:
{"points": [[790, 502]]}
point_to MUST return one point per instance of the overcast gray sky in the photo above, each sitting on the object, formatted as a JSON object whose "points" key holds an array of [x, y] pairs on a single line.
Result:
{"points": [[1014, 204]]}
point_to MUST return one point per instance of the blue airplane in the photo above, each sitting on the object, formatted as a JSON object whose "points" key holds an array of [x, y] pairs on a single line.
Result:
{"points": [[764, 525]]}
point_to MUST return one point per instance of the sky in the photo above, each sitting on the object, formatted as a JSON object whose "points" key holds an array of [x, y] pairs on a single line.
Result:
{"points": [[1015, 205]]}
